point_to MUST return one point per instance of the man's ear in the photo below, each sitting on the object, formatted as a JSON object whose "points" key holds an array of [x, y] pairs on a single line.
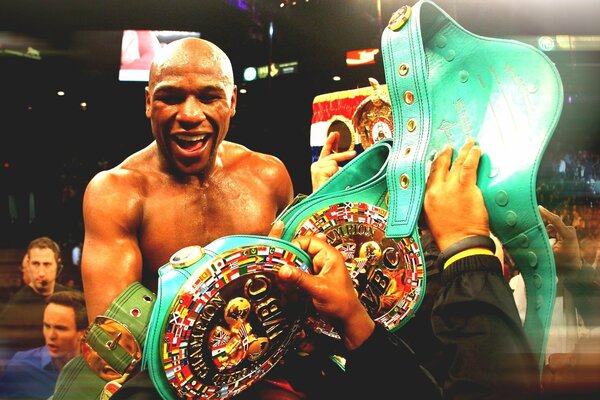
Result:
{"points": [[233, 101], [147, 97], [59, 267]]}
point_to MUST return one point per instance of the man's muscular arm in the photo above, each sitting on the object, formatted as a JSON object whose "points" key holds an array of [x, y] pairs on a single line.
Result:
{"points": [[111, 257]]}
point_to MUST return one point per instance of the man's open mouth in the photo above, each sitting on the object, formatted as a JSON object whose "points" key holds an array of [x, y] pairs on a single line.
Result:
{"points": [[191, 142]]}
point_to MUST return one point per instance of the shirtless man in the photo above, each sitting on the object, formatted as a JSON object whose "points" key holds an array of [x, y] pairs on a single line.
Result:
{"points": [[188, 187]]}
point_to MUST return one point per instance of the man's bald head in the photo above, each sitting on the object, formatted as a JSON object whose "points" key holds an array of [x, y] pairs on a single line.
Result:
{"points": [[193, 52]]}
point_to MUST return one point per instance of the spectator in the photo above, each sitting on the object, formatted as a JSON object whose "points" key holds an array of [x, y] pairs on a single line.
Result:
{"points": [[21, 319], [32, 374]]}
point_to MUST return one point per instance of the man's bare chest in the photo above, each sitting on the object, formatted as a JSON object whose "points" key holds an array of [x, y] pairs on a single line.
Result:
{"points": [[179, 221]]}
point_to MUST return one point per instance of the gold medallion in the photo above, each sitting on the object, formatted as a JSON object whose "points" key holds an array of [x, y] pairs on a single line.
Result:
{"points": [[372, 119]]}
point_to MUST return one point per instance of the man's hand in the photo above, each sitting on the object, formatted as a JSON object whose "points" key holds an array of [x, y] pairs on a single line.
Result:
{"points": [[327, 164], [331, 290], [453, 205], [566, 248]]}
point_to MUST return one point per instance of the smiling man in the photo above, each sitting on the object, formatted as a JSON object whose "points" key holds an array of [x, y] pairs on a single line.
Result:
{"points": [[188, 187], [33, 373]]}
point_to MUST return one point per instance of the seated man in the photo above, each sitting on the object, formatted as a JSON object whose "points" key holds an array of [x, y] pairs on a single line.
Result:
{"points": [[33, 373]]}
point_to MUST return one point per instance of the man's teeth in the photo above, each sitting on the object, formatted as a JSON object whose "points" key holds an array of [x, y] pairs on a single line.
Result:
{"points": [[191, 138]]}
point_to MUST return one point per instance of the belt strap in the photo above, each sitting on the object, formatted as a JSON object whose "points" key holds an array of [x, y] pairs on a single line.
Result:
{"points": [[447, 84], [133, 308], [118, 336], [407, 86], [110, 360]]}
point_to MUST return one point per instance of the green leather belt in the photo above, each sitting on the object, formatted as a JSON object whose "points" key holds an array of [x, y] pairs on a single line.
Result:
{"points": [[111, 348], [447, 84]]}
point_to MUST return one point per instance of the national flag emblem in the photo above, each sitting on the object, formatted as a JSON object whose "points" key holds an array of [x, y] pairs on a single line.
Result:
{"points": [[218, 263], [348, 250], [174, 317], [218, 340]]}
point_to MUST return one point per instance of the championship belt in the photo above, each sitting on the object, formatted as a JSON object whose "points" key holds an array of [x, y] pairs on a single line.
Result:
{"points": [[362, 116], [447, 84], [220, 321], [351, 209]]}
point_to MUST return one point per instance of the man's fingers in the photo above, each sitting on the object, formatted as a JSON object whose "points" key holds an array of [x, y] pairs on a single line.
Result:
{"points": [[316, 246], [556, 222], [440, 165], [343, 156], [468, 174], [548, 216], [309, 245], [552, 219], [294, 277], [331, 142], [457, 164]]}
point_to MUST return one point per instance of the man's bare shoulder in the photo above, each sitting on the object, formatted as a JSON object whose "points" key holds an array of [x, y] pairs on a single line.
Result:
{"points": [[129, 177], [237, 156], [268, 172]]}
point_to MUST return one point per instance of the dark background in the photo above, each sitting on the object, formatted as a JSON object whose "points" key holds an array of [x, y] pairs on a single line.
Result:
{"points": [[50, 146]]}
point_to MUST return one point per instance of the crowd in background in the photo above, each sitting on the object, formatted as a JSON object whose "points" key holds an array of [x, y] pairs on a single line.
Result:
{"points": [[568, 184]]}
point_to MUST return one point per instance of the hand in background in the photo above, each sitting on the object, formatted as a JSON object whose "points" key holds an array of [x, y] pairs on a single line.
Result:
{"points": [[566, 249], [327, 164], [454, 206], [331, 291]]}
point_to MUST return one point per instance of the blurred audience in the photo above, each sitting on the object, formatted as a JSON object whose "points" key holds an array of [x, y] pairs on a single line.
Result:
{"points": [[21, 318], [32, 374], [572, 363]]}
